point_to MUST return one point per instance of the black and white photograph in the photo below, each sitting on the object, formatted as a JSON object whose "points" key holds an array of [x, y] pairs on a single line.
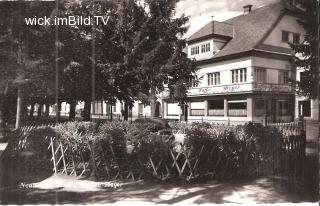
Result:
{"points": [[170, 102]]}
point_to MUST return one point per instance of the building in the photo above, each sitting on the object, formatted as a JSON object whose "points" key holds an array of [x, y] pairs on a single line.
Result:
{"points": [[245, 68]]}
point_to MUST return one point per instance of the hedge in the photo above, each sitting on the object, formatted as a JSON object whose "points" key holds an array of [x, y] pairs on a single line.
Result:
{"points": [[119, 149]]}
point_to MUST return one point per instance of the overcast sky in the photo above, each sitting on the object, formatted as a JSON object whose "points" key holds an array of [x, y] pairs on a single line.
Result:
{"points": [[200, 11]]}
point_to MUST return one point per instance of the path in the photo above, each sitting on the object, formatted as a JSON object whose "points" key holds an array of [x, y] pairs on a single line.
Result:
{"points": [[69, 190]]}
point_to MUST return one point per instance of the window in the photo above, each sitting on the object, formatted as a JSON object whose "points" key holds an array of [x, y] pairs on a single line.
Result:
{"points": [[214, 79], [205, 48], [114, 108], [259, 107], [237, 108], [304, 76], [239, 75], [216, 108], [296, 38], [260, 75], [194, 82], [284, 107], [305, 108], [285, 36], [283, 77], [197, 108], [173, 109], [194, 50]]}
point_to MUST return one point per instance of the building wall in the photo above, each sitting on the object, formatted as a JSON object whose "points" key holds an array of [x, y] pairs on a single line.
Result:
{"points": [[287, 23], [224, 68]]}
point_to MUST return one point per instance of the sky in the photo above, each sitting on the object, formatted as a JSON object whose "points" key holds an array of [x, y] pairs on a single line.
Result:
{"points": [[201, 11]]}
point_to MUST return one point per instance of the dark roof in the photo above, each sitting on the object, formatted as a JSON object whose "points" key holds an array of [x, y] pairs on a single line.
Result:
{"points": [[213, 27], [249, 29]]}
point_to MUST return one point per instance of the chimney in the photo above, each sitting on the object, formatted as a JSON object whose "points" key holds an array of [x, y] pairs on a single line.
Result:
{"points": [[247, 9]]}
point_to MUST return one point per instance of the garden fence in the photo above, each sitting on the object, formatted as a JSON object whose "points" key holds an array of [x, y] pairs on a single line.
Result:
{"points": [[111, 162]]}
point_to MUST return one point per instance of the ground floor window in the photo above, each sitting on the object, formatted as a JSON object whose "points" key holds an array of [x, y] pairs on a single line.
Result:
{"points": [[237, 108], [259, 107], [284, 108], [216, 108], [197, 108], [305, 108], [173, 109]]}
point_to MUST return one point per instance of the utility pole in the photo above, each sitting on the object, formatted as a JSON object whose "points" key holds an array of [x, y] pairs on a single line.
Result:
{"points": [[93, 80]]}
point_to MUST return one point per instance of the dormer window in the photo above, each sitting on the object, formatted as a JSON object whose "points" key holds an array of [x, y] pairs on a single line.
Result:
{"points": [[205, 48], [194, 50]]}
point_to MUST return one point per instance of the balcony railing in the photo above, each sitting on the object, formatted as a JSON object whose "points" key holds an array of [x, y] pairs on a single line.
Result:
{"points": [[216, 112], [237, 112], [197, 112]]}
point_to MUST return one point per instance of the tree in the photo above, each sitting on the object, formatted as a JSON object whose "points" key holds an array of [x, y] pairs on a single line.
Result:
{"points": [[306, 51], [156, 53], [21, 55], [87, 50]]}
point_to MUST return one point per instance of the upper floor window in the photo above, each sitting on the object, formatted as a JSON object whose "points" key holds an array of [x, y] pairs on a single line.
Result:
{"points": [[283, 77], [285, 36], [296, 38], [214, 79], [239, 75], [205, 48], [194, 50], [194, 82], [304, 76], [290, 37], [260, 75]]}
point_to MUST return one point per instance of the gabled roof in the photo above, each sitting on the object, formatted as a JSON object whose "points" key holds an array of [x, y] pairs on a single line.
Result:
{"points": [[249, 29]]}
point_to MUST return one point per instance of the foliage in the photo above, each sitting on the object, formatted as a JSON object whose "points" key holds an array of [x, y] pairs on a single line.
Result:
{"points": [[306, 51], [212, 151]]}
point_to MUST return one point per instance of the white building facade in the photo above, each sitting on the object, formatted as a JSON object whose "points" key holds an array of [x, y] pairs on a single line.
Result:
{"points": [[245, 69]]}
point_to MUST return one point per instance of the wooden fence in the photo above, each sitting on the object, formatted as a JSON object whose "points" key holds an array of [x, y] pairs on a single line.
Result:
{"points": [[107, 161]]}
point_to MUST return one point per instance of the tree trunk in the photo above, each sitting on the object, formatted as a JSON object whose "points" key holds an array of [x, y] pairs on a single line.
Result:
{"points": [[72, 113], [31, 110], [126, 111], [20, 108], [153, 101], [111, 112], [39, 112], [46, 113], [2, 121], [87, 110]]}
